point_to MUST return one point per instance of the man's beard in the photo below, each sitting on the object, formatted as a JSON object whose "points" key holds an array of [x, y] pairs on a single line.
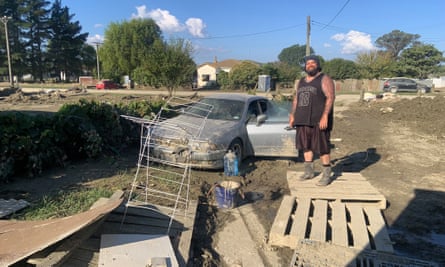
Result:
{"points": [[312, 72]]}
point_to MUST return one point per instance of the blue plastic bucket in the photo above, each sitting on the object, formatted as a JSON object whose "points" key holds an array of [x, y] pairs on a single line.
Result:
{"points": [[226, 194]]}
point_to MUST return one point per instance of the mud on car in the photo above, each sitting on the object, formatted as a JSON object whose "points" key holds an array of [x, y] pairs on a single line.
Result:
{"points": [[245, 124]]}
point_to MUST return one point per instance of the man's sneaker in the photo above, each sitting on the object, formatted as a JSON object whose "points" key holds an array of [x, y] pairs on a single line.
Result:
{"points": [[308, 171], [326, 178]]}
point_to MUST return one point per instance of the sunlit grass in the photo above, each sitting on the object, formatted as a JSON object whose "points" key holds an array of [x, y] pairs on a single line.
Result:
{"points": [[62, 204]]}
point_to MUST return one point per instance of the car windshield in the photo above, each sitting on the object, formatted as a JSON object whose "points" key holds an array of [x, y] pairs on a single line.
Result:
{"points": [[217, 109]]}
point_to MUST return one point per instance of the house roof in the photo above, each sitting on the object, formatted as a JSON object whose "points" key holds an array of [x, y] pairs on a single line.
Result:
{"points": [[228, 63]]}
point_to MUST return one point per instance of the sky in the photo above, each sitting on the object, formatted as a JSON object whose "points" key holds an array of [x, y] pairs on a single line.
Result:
{"points": [[260, 30]]}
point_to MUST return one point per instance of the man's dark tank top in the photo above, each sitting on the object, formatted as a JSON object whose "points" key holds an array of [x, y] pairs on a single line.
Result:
{"points": [[311, 103]]}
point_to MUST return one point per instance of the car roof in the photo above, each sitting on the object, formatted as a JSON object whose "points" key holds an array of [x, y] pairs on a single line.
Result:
{"points": [[234, 96]]}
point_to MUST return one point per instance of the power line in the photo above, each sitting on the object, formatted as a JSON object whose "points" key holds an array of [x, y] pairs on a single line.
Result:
{"points": [[336, 15], [248, 34]]}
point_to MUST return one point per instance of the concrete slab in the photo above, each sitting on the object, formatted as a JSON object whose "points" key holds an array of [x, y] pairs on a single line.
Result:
{"points": [[242, 242], [136, 250]]}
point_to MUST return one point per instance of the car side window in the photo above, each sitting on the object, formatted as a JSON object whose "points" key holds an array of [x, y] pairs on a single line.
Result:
{"points": [[263, 106], [253, 111]]}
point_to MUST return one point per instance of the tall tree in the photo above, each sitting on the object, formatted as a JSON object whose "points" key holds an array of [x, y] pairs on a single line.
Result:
{"points": [[15, 25], [66, 43], [395, 41], [35, 13], [294, 55], [419, 61], [127, 46], [89, 59]]}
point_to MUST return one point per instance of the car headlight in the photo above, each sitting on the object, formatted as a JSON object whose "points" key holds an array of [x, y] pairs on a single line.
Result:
{"points": [[203, 146]]}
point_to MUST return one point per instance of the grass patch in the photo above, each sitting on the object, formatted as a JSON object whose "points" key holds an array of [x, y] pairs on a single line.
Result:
{"points": [[62, 204]]}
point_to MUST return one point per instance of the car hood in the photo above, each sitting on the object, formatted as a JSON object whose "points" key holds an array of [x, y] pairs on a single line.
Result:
{"points": [[189, 127]]}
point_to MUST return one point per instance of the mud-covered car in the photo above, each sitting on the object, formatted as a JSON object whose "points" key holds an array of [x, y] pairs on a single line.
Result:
{"points": [[246, 124]]}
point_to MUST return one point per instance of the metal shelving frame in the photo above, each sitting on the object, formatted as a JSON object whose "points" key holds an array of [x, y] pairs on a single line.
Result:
{"points": [[161, 185]]}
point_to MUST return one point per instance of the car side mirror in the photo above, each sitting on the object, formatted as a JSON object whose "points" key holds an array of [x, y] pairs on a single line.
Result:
{"points": [[260, 119]]}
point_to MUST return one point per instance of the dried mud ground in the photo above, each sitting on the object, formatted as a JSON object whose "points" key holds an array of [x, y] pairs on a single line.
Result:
{"points": [[397, 143]]}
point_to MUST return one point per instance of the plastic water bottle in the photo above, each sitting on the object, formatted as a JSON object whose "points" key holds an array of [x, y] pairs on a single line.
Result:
{"points": [[235, 165], [230, 164]]}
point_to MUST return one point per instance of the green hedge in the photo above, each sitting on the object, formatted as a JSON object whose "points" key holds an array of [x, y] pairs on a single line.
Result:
{"points": [[30, 144]]}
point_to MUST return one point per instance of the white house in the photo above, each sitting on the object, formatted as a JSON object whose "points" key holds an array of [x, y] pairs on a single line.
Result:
{"points": [[206, 73]]}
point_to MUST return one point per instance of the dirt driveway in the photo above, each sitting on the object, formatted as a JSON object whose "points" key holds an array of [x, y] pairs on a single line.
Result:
{"points": [[397, 143]]}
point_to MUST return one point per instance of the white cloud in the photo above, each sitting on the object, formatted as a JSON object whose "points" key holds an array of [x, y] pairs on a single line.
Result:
{"points": [[196, 27], [354, 42], [169, 23], [97, 38], [98, 25]]}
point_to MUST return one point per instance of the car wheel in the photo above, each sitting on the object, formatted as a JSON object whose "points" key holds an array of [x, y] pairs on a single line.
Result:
{"points": [[237, 147], [393, 90]]}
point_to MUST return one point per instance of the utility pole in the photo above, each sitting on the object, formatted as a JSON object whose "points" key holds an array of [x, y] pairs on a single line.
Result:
{"points": [[308, 36], [5, 19], [97, 60]]}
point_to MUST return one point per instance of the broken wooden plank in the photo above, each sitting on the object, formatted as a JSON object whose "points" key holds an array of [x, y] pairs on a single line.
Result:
{"points": [[34, 236], [58, 256], [377, 228], [277, 234]]}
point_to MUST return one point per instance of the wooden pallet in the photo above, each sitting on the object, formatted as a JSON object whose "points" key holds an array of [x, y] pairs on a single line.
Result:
{"points": [[343, 224], [348, 187]]}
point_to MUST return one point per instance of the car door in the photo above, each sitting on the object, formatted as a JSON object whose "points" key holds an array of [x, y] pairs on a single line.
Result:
{"points": [[267, 130], [407, 85]]}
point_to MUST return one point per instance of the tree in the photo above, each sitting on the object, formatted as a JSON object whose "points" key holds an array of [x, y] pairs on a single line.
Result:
{"points": [[12, 9], [294, 55], [245, 75], [168, 64], [127, 46], [419, 61], [66, 42], [374, 64], [36, 33], [395, 41], [88, 59], [282, 73], [341, 69], [223, 79]]}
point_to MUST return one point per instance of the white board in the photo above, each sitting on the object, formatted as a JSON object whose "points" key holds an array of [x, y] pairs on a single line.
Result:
{"points": [[135, 250]]}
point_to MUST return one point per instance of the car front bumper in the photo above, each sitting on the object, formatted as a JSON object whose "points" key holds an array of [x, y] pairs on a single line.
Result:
{"points": [[213, 159]]}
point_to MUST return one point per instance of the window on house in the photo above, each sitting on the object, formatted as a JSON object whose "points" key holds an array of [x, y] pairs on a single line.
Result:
{"points": [[205, 77]]}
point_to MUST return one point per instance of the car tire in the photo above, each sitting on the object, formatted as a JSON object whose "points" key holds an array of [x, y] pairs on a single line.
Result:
{"points": [[393, 90], [237, 147]]}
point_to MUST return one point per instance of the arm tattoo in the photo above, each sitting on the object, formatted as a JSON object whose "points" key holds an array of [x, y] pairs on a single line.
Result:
{"points": [[327, 86]]}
